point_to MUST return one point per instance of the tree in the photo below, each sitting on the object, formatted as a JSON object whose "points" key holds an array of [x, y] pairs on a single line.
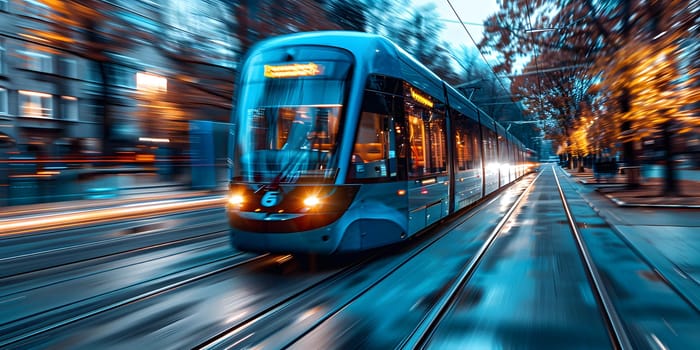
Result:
{"points": [[578, 146], [203, 56], [548, 85], [385, 17], [658, 97], [269, 18], [609, 45], [647, 90], [349, 15]]}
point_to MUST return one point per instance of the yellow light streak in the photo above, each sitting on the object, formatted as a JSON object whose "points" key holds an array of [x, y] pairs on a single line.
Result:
{"points": [[74, 219]]}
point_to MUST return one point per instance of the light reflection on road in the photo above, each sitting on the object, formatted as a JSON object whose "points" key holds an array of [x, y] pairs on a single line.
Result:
{"points": [[32, 223]]}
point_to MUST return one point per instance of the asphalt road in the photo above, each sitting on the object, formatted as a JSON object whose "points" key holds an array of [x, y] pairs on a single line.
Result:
{"points": [[172, 280]]}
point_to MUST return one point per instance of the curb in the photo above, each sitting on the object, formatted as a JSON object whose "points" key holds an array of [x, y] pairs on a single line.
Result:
{"points": [[621, 203]]}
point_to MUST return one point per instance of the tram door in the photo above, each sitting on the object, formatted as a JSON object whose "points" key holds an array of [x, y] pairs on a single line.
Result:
{"points": [[428, 183]]}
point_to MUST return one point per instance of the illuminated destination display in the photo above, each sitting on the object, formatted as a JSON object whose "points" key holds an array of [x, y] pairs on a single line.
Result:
{"points": [[293, 70], [421, 99]]}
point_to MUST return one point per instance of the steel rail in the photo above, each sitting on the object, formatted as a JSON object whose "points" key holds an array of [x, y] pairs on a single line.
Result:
{"points": [[26, 335], [233, 337], [423, 332], [618, 336]]}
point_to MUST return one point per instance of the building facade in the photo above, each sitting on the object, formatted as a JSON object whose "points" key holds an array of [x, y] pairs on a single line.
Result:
{"points": [[127, 97]]}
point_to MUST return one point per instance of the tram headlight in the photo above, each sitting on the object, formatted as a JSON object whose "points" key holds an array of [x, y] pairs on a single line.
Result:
{"points": [[235, 200], [311, 201]]}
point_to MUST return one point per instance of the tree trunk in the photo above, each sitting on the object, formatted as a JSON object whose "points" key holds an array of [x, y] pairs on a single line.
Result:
{"points": [[671, 187], [630, 157]]}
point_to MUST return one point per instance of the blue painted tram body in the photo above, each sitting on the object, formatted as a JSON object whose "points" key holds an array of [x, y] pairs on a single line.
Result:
{"points": [[341, 141]]}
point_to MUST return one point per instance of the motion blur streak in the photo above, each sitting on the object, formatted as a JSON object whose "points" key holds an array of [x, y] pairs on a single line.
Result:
{"points": [[60, 221]]}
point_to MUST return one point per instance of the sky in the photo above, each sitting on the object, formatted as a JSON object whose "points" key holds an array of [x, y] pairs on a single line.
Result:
{"points": [[472, 13]]}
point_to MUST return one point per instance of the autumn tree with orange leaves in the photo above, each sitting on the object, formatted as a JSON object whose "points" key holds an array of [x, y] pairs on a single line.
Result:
{"points": [[635, 59]]}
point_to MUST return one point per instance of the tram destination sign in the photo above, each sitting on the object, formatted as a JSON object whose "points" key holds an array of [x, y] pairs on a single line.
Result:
{"points": [[293, 70]]}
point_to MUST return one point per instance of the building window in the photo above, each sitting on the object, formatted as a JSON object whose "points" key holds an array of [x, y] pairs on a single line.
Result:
{"points": [[69, 67], [3, 5], [124, 77], [4, 109], [69, 108], [35, 104], [93, 74], [40, 62]]}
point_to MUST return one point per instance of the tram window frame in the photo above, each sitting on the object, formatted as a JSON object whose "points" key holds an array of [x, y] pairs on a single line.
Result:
{"points": [[490, 148], [379, 129], [467, 148], [427, 133]]}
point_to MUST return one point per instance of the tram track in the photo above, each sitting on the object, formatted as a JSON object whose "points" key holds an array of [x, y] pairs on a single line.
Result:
{"points": [[618, 337], [306, 294], [207, 246], [104, 242], [271, 328], [423, 334], [16, 332], [283, 305], [52, 275]]}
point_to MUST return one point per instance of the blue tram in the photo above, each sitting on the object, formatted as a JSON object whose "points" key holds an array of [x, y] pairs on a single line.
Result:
{"points": [[342, 142]]}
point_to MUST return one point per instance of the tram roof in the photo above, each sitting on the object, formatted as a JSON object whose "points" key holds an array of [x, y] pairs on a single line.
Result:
{"points": [[380, 56], [375, 53]]}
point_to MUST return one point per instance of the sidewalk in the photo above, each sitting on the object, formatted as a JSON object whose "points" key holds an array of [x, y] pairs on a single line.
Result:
{"points": [[663, 230], [649, 194]]}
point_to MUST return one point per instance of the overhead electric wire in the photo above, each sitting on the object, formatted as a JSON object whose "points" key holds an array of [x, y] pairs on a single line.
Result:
{"points": [[537, 66], [477, 46]]}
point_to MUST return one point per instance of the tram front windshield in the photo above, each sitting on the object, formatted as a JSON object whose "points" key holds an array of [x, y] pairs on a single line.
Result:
{"points": [[289, 116]]}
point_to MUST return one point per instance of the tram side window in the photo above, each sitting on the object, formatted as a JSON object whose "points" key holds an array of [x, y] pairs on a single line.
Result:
{"points": [[467, 142], [426, 134], [490, 150], [416, 137], [438, 143], [374, 151]]}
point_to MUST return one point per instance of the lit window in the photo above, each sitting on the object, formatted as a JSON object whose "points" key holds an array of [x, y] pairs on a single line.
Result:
{"points": [[147, 82], [3, 102], [38, 61], [35, 104], [69, 108]]}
